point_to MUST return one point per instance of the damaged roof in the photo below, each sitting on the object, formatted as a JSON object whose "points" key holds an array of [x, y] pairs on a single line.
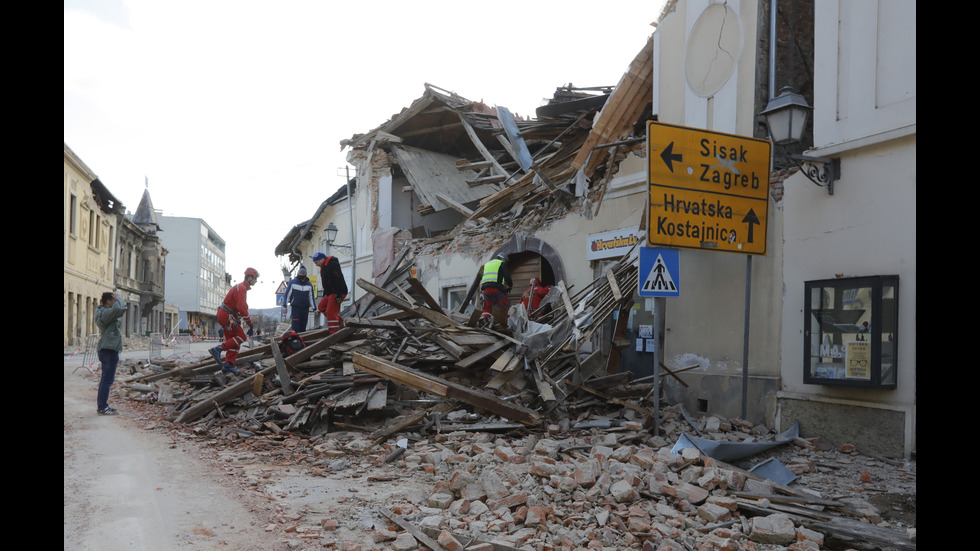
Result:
{"points": [[502, 162]]}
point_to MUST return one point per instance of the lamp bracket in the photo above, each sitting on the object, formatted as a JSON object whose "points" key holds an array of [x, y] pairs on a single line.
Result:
{"points": [[822, 171]]}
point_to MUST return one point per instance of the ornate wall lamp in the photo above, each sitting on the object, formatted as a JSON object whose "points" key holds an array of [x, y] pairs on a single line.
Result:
{"points": [[786, 116], [331, 234]]}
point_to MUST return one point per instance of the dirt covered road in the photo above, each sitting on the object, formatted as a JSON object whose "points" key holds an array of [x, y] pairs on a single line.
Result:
{"points": [[138, 481], [127, 487]]}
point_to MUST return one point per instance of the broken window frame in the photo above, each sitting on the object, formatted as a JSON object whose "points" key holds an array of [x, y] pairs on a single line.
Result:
{"points": [[850, 332], [453, 296]]}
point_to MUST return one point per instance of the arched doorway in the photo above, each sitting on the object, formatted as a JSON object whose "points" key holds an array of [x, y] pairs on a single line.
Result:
{"points": [[531, 257]]}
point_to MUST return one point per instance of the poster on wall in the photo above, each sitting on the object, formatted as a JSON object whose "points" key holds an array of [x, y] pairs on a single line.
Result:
{"points": [[858, 360]]}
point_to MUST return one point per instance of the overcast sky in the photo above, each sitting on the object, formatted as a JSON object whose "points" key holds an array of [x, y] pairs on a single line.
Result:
{"points": [[233, 110]]}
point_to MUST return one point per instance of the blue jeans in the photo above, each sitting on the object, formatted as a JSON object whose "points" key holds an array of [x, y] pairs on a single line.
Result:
{"points": [[109, 359]]}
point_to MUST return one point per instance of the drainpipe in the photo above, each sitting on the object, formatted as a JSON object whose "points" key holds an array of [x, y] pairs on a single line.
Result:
{"points": [[772, 49], [353, 241]]}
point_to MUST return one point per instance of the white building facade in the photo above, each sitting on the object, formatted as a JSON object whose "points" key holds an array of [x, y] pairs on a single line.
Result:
{"points": [[196, 280], [862, 235]]}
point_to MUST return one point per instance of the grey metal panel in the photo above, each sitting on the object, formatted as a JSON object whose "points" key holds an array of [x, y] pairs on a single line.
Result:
{"points": [[514, 136], [431, 173]]}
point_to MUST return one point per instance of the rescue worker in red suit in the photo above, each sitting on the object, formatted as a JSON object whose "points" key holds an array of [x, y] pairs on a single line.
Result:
{"points": [[495, 283], [531, 299], [232, 313], [334, 290]]}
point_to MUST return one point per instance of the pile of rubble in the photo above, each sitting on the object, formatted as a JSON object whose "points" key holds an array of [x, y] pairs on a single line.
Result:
{"points": [[615, 490], [529, 442], [605, 482]]}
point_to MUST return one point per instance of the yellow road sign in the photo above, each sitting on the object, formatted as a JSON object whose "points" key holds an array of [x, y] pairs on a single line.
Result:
{"points": [[707, 190]]}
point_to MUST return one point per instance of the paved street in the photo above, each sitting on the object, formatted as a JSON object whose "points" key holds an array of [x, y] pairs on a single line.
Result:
{"points": [[126, 487]]}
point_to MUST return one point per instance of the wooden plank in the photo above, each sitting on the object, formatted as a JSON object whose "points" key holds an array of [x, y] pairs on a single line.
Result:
{"points": [[544, 388], [420, 290], [464, 164], [222, 397], [496, 178], [321, 345], [480, 147], [393, 270], [458, 207], [454, 350], [370, 323], [287, 387], [470, 338], [437, 318], [614, 119], [483, 353], [569, 309], [502, 378], [399, 374], [441, 387], [514, 363], [412, 418], [408, 298], [613, 285], [417, 533], [502, 361]]}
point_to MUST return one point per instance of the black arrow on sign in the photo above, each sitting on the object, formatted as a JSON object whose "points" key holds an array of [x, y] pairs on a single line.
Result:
{"points": [[751, 219], [669, 157]]}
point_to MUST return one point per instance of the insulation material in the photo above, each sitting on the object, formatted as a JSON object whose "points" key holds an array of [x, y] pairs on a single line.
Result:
{"points": [[733, 451], [383, 245], [539, 338]]}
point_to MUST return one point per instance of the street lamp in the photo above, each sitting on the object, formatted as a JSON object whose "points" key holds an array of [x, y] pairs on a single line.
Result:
{"points": [[331, 234], [786, 116]]}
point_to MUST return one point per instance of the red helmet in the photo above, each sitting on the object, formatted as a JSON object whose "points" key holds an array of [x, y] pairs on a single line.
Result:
{"points": [[252, 272]]}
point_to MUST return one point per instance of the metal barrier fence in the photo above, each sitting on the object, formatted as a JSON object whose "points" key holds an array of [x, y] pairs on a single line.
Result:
{"points": [[91, 354], [182, 344], [156, 347]]}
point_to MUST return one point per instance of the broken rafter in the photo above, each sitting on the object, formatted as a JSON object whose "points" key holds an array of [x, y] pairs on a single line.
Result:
{"points": [[622, 109], [482, 148], [438, 318], [441, 387]]}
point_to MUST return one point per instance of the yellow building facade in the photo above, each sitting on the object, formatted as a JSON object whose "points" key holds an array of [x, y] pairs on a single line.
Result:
{"points": [[91, 221]]}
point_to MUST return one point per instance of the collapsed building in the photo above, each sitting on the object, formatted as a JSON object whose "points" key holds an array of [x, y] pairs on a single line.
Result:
{"points": [[448, 182]]}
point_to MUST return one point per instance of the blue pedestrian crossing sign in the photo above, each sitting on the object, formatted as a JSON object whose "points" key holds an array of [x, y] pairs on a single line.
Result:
{"points": [[659, 274]]}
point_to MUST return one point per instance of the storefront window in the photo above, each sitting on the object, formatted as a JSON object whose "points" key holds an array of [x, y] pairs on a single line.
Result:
{"points": [[851, 331]]}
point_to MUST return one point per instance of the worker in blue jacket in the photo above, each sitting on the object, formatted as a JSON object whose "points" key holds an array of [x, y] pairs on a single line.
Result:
{"points": [[299, 300]]}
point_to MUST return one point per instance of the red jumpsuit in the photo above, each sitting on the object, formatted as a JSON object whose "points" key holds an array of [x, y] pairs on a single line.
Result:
{"points": [[534, 295], [231, 314], [334, 292]]}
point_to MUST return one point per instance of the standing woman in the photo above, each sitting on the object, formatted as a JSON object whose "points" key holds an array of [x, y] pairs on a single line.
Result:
{"points": [[108, 318]]}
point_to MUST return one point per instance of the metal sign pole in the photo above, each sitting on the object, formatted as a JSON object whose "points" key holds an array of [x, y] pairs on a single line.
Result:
{"points": [[656, 368], [745, 342]]}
